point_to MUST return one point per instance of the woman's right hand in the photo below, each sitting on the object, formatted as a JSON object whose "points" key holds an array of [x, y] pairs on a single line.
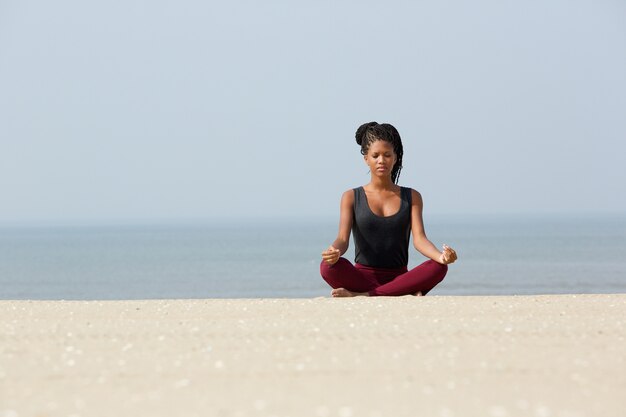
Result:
{"points": [[331, 255]]}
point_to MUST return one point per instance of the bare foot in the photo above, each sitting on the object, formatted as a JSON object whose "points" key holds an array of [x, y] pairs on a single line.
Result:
{"points": [[342, 292], [418, 294]]}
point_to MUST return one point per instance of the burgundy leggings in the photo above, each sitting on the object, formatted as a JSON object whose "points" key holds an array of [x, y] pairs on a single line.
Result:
{"points": [[382, 281]]}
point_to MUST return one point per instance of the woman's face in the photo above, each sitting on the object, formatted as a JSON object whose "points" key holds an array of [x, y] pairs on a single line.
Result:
{"points": [[380, 158]]}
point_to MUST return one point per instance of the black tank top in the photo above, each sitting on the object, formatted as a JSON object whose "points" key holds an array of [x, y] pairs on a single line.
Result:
{"points": [[379, 241]]}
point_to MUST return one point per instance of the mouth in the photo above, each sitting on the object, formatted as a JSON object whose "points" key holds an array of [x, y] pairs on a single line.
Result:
{"points": [[381, 169]]}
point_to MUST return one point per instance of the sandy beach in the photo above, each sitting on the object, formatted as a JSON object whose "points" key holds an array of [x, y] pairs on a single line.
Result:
{"points": [[557, 355]]}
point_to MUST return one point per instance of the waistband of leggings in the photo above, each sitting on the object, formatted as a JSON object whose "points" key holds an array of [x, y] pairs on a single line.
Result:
{"points": [[375, 268]]}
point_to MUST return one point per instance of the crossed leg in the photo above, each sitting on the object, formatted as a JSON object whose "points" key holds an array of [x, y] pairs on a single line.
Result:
{"points": [[349, 281]]}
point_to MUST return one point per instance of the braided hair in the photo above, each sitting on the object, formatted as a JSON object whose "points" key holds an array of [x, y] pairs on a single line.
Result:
{"points": [[369, 133]]}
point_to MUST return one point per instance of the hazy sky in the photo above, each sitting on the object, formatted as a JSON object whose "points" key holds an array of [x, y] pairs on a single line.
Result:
{"points": [[118, 110]]}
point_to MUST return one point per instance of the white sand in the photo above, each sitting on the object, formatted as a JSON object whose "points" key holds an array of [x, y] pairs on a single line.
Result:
{"points": [[411, 356]]}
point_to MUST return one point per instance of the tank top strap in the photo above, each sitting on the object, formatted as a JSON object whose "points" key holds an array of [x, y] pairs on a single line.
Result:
{"points": [[358, 197], [406, 195]]}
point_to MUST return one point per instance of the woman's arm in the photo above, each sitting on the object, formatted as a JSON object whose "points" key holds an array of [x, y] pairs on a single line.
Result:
{"points": [[340, 245], [420, 241]]}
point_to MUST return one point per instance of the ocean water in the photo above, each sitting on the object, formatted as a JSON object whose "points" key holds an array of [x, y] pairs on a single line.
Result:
{"points": [[503, 255]]}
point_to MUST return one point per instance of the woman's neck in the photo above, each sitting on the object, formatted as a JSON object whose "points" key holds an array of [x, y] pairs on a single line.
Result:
{"points": [[381, 184]]}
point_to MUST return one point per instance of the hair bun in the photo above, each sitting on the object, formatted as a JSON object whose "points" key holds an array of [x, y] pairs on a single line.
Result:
{"points": [[361, 131]]}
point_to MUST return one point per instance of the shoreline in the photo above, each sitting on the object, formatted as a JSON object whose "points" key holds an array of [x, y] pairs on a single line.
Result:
{"points": [[522, 355]]}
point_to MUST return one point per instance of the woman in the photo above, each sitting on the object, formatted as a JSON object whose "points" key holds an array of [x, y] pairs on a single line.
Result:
{"points": [[382, 216]]}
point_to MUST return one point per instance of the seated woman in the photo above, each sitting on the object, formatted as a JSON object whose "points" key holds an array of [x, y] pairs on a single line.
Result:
{"points": [[382, 216]]}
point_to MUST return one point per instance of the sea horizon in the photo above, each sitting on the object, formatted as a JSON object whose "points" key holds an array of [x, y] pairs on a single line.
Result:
{"points": [[211, 220], [503, 254]]}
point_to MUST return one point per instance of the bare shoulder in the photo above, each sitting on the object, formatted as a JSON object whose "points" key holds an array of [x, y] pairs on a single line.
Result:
{"points": [[346, 207], [416, 197], [348, 196]]}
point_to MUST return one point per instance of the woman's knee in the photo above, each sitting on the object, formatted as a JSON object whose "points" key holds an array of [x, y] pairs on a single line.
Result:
{"points": [[338, 274], [326, 268], [440, 269]]}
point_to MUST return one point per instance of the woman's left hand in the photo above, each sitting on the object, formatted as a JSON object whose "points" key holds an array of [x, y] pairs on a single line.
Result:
{"points": [[448, 255], [331, 255]]}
